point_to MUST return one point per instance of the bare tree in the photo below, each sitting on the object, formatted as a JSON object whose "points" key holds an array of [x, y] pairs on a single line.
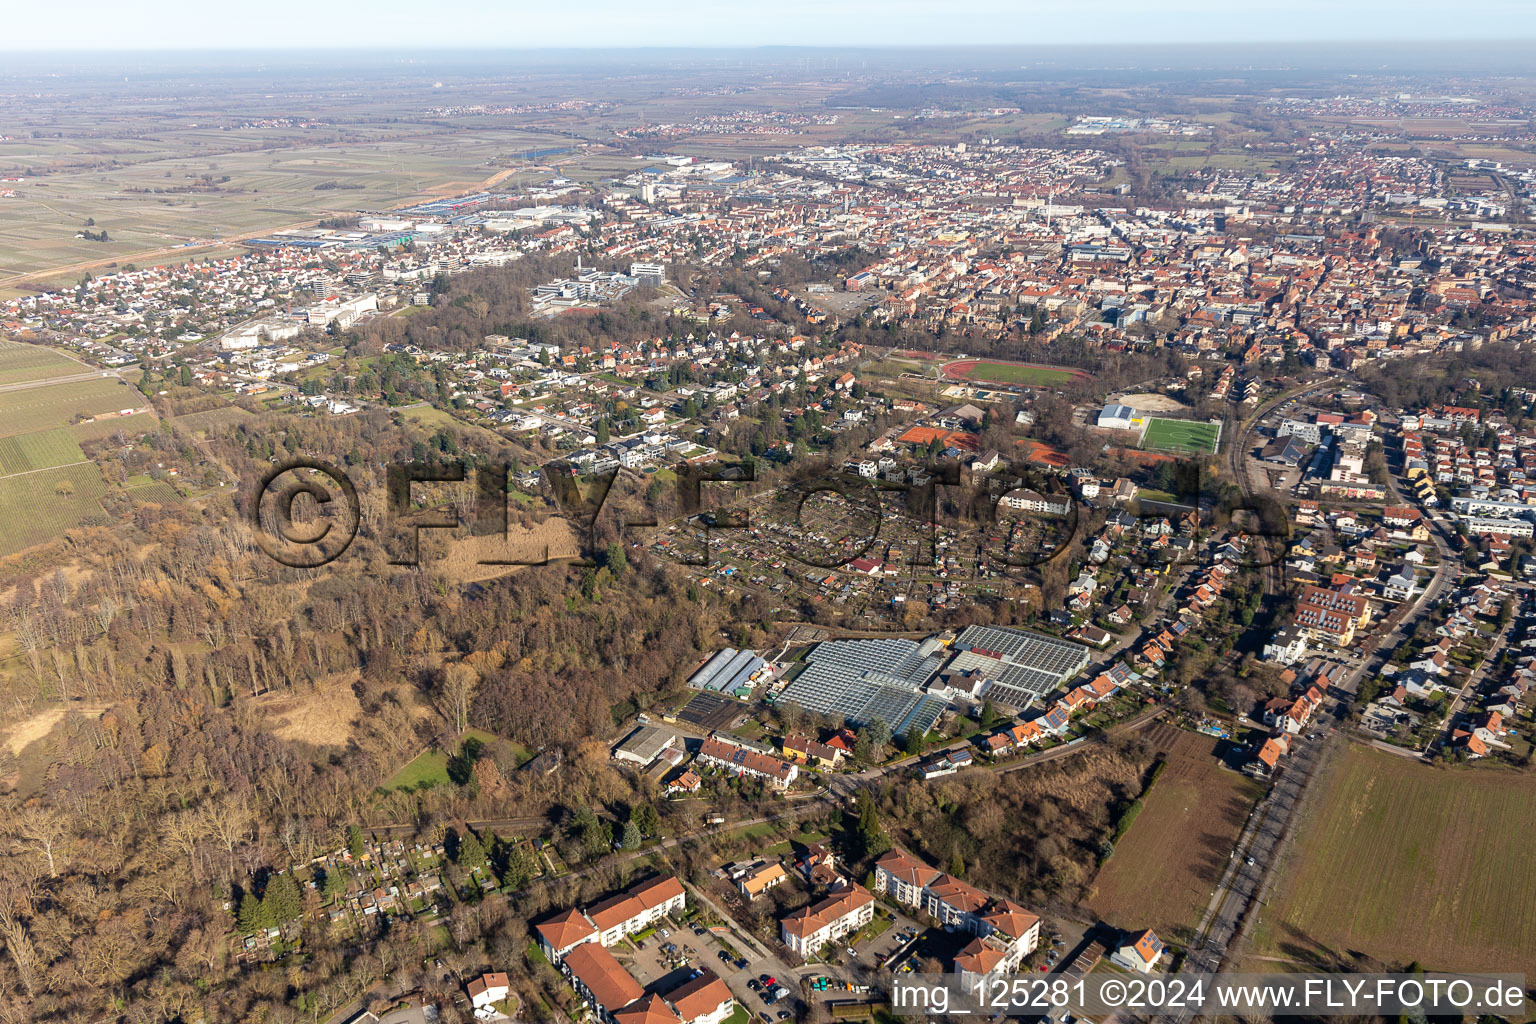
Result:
{"points": [[13, 932], [456, 693], [45, 830], [228, 820]]}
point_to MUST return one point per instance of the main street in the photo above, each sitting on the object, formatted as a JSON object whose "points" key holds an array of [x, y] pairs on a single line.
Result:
{"points": [[1243, 888]]}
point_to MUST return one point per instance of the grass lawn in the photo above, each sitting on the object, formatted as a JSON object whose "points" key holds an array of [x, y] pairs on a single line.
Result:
{"points": [[1164, 868], [758, 831], [426, 770], [429, 415], [1181, 435], [1018, 373], [1406, 861]]}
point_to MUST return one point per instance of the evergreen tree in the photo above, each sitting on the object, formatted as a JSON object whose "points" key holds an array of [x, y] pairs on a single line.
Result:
{"points": [[957, 864], [471, 854], [988, 715], [645, 818], [250, 918], [282, 901]]}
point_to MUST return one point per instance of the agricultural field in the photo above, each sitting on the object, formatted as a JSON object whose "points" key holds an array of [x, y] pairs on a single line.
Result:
{"points": [[130, 425], [1392, 845], [20, 362], [1022, 374], [230, 415], [157, 491], [47, 406], [24, 453], [46, 484], [181, 191], [38, 507], [1192, 436], [1164, 868]]}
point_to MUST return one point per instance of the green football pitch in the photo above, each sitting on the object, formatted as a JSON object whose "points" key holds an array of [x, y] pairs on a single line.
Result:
{"points": [[1193, 436]]}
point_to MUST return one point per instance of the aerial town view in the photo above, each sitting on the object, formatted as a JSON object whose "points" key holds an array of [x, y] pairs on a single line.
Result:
{"points": [[683, 515]]}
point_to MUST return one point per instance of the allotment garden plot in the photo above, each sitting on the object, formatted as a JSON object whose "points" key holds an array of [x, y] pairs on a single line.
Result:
{"points": [[866, 551]]}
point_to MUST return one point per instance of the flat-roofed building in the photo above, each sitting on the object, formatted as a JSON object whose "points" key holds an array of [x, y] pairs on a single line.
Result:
{"points": [[644, 745]]}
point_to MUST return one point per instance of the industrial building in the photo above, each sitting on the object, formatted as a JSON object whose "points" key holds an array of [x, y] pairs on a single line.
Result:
{"points": [[728, 671], [644, 745], [1119, 417], [1023, 666], [862, 680]]}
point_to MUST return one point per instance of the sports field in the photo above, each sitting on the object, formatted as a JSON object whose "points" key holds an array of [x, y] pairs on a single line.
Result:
{"points": [[1163, 870], [1024, 374], [1193, 436], [1409, 862]]}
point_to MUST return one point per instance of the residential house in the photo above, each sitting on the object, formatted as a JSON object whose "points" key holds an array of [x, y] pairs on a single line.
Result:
{"points": [[807, 930], [1139, 952], [488, 989]]}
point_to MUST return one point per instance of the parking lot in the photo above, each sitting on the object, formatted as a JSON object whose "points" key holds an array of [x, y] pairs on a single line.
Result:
{"points": [[673, 952]]}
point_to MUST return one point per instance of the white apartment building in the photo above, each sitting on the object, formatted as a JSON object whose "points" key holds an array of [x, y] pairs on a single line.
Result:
{"points": [[810, 928]]}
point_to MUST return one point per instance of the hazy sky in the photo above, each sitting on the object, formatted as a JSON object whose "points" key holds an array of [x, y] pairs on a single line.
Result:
{"points": [[329, 24]]}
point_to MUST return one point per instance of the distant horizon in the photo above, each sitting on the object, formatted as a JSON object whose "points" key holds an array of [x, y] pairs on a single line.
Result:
{"points": [[488, 49], [99, 26]]}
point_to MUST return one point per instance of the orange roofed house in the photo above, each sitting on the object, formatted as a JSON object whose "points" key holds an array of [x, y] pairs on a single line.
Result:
{"points": [[1331, 616], [1140, 952], [745, 761], [704, 1000], [600, 979], [808, 929], [578, 942], [488, 989], [1005, 932], [607, 922]]}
